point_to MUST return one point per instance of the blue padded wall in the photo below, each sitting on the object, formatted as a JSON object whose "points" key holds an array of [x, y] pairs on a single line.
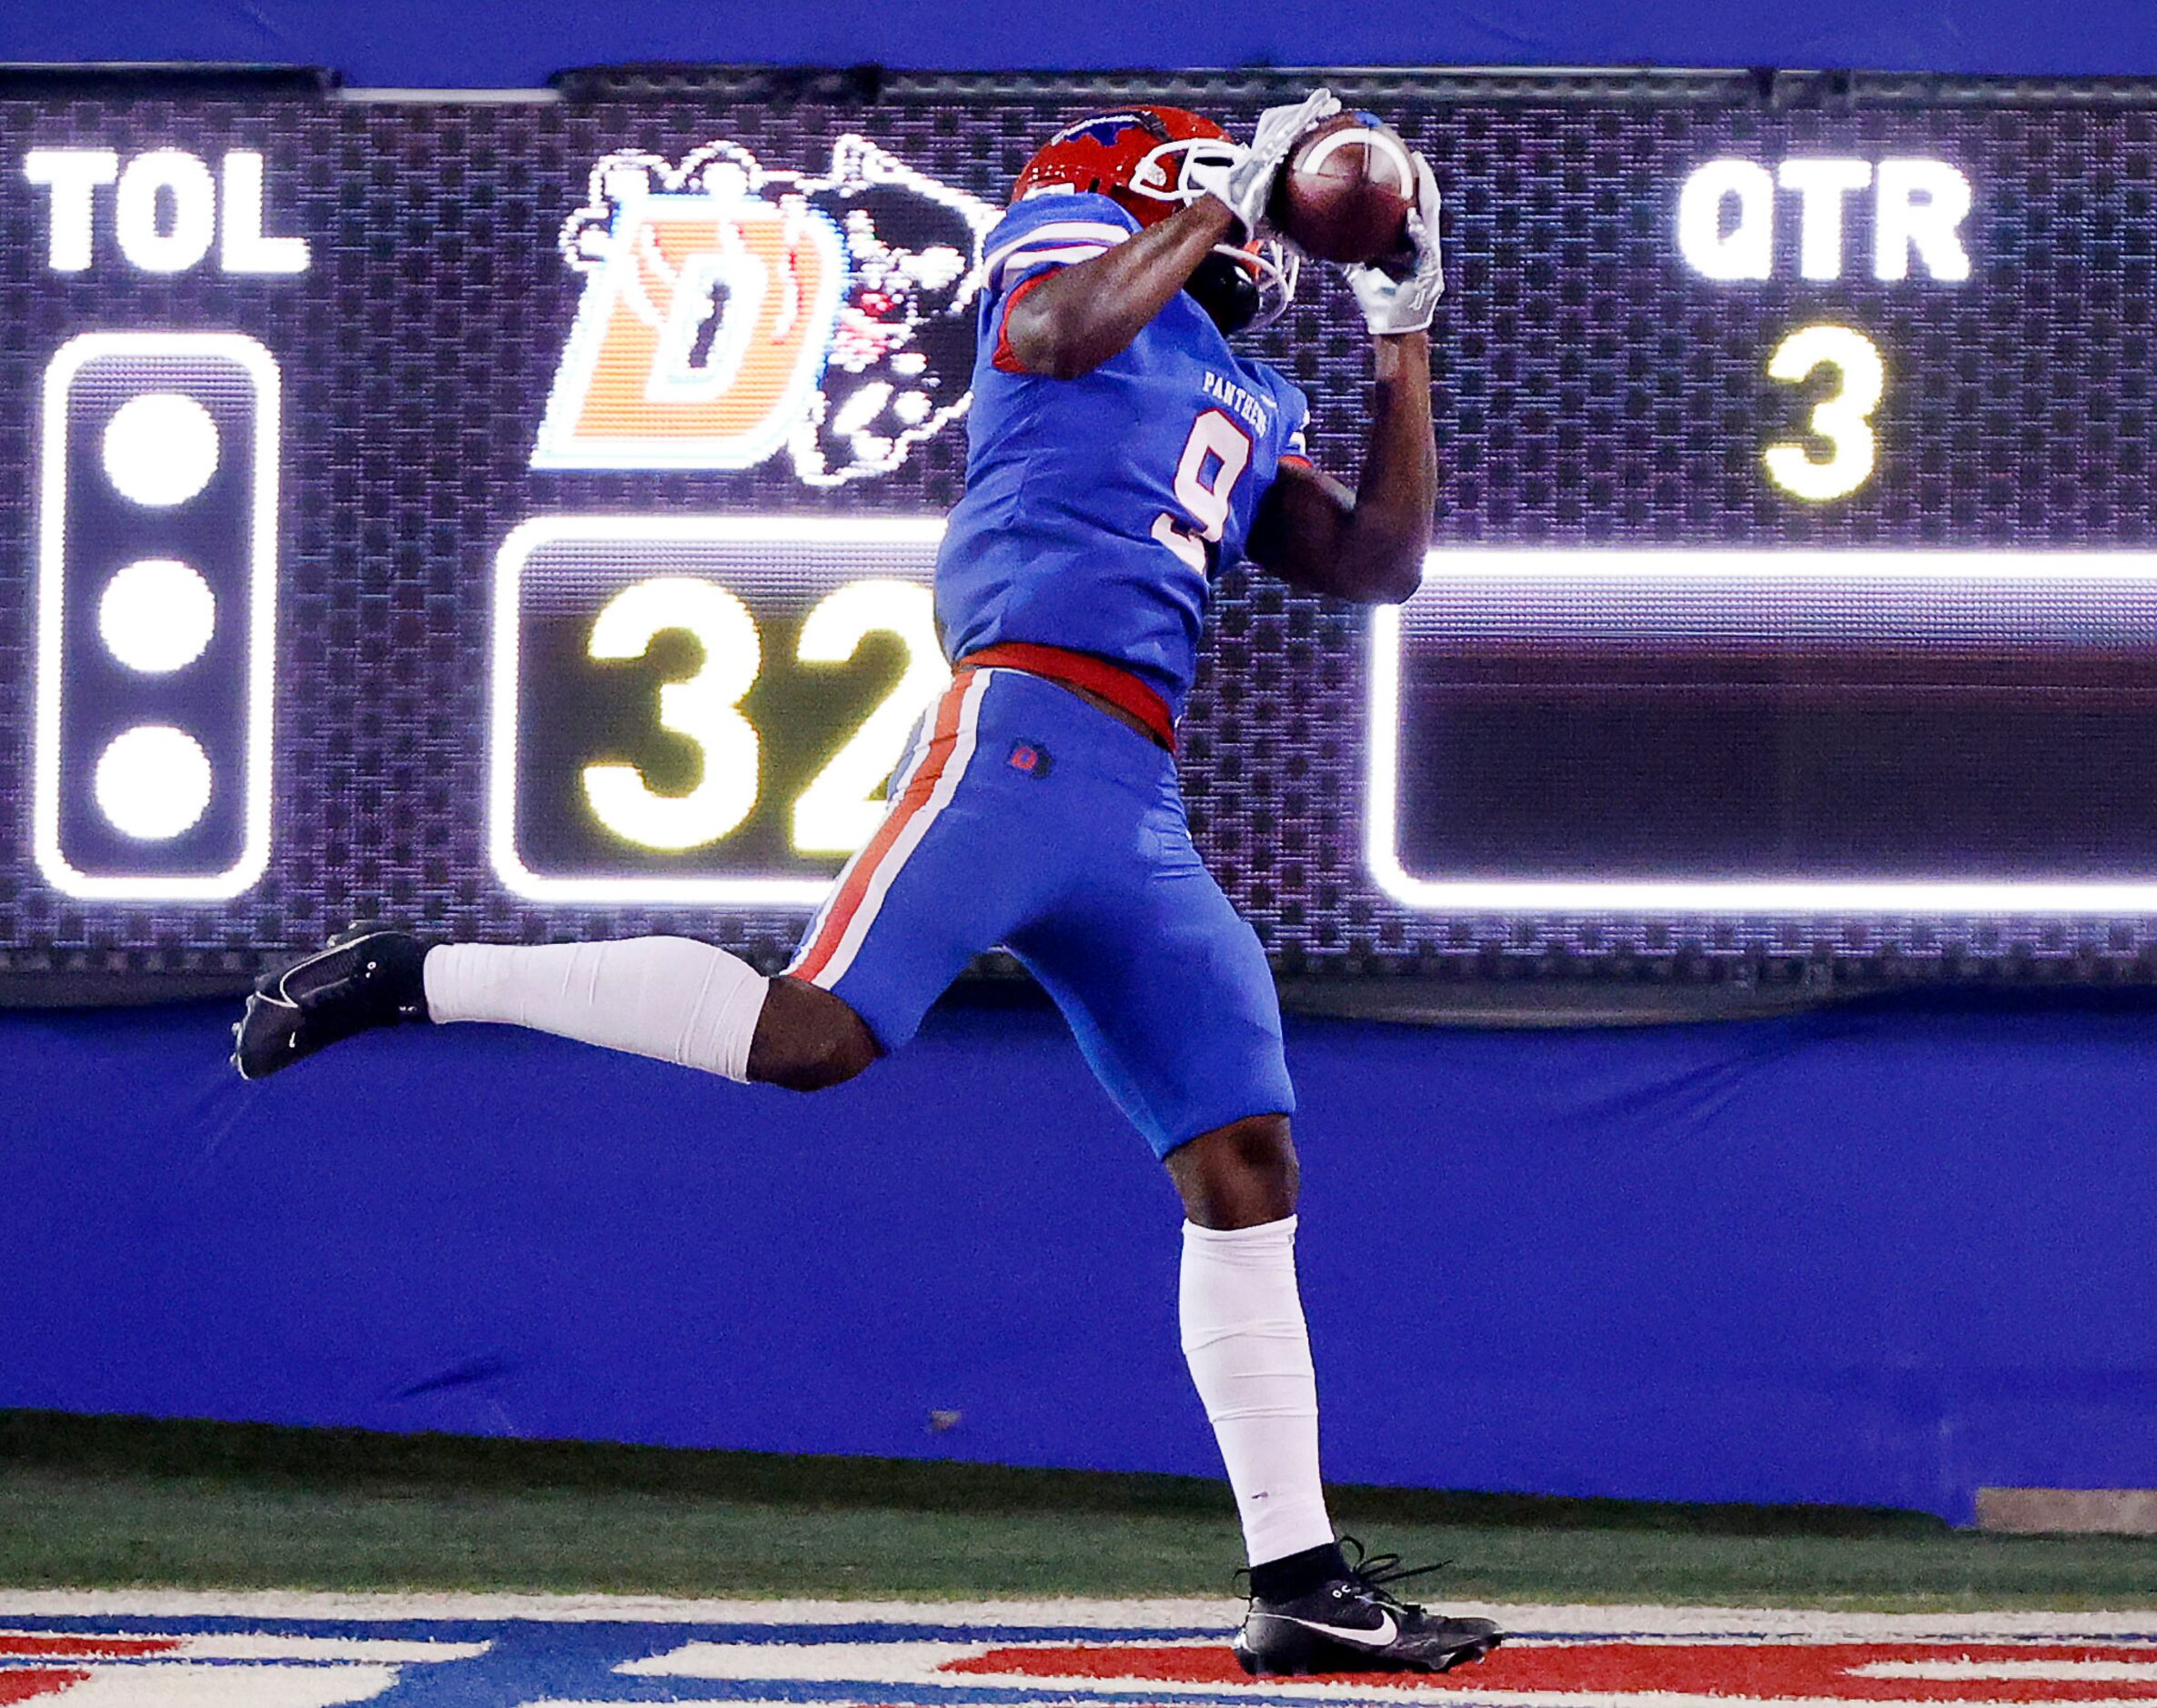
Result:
{"points": [[1882, 1255]]}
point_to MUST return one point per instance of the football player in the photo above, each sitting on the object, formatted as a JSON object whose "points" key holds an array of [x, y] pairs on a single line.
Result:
{"points": [[1121, 453]]}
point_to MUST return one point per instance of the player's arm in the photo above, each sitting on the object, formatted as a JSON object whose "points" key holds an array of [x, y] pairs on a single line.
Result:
{"points": [[1365, 544], [1069, 322], [1368, 543]]}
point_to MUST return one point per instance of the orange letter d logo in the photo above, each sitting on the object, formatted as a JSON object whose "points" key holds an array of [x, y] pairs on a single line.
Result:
{"points": [[701, 335]]}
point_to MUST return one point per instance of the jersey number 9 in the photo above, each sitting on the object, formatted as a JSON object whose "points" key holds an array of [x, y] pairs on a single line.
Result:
{"points": [[1215, 457]]}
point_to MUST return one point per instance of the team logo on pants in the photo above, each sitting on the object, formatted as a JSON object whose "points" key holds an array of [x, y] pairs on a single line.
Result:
{"points": [[730, 313]]}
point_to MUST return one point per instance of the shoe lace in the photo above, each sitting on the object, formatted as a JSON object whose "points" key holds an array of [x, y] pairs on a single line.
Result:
{"points": [[369, 973], [1373, 1574], [364, 976]]}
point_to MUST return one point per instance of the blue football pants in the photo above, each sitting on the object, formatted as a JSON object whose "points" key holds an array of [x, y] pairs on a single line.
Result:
{"points": [[1026, 818]]}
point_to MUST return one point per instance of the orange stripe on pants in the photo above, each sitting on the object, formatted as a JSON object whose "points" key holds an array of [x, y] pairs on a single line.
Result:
{"points": [[854, 884]]}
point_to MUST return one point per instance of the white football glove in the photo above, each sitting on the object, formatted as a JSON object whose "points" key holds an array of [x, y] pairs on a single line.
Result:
{"points": [[1396, 298], [1246, 183]]}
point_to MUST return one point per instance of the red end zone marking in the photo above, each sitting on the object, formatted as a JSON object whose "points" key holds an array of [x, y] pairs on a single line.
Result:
{"points": [[42, 1681], [37, 1646], [1754, 1671], [1213, 1665]]}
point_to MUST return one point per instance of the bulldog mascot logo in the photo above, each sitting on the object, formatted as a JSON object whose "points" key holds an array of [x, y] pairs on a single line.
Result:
{"points": [[730, 313]]}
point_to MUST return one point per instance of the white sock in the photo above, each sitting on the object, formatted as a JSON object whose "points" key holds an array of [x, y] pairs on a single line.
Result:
{"points": [[1250, 1356], [653, 996]]}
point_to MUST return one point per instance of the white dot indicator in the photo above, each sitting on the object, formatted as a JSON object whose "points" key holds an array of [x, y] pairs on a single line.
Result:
{"points": [[152, 782], [160, 448], [156, 614]]}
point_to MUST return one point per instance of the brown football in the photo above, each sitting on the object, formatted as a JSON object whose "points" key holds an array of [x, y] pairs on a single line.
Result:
{"points": [[1345, 192]]}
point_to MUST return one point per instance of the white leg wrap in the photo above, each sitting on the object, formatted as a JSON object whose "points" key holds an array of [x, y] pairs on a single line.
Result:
{"points": [[1250, 1356], [653, 996]]}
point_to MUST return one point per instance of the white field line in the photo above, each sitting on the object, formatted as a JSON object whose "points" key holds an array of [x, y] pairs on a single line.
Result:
{"points": [[226, 1687], [248, 1645], [1694, 1623], [464, 1604]]}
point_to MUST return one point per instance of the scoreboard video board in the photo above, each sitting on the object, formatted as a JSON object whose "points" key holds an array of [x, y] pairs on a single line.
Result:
{"points": [[516, 516]]}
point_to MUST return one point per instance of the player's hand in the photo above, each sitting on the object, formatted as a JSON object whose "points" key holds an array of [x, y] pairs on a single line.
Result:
{"points": [[1246, 183], [1401, 297]]}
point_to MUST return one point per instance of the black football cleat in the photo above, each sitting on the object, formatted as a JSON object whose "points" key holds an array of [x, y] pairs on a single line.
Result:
{"points": [[1354, 1624], [368, 977]]}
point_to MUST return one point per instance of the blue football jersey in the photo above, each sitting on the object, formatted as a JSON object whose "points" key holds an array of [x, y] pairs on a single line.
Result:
{"points": [[1098, 509]]}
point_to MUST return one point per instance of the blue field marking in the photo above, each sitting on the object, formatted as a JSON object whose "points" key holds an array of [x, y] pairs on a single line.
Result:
{"points": [[579, 1659]]}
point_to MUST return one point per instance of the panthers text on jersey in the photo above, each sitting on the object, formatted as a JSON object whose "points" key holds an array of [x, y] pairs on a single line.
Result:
{"points": [[1097, 509]]}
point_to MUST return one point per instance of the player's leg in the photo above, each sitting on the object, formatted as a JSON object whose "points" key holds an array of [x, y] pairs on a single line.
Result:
{"points": [[1242, 1175], [1247, 1346], [668, 997], [1169, 997], [1172, 1003], [665, 997], [1249, 1352], [939, 882], [807, 1040]]}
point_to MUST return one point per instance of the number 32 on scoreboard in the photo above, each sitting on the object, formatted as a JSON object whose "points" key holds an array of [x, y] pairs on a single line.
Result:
{"points": [[836, 813], [1843, 419], [702, 708]]}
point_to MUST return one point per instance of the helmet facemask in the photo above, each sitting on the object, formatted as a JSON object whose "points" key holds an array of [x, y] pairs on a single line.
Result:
{"points": [[1243, 286]]}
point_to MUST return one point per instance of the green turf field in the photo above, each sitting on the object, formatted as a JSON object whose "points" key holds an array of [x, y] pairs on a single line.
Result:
{"points": [[100, 1503]]}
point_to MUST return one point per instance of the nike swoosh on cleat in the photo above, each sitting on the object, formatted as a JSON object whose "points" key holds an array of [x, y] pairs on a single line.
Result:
{"points": [[1376, 1637]]}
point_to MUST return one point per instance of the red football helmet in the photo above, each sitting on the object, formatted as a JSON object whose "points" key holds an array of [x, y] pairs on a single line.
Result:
{"points": [[1138, 156]]}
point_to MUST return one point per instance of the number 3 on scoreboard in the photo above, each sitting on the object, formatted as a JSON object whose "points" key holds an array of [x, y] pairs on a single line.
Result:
{"points": [[705, 708], [1843, 419]]}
